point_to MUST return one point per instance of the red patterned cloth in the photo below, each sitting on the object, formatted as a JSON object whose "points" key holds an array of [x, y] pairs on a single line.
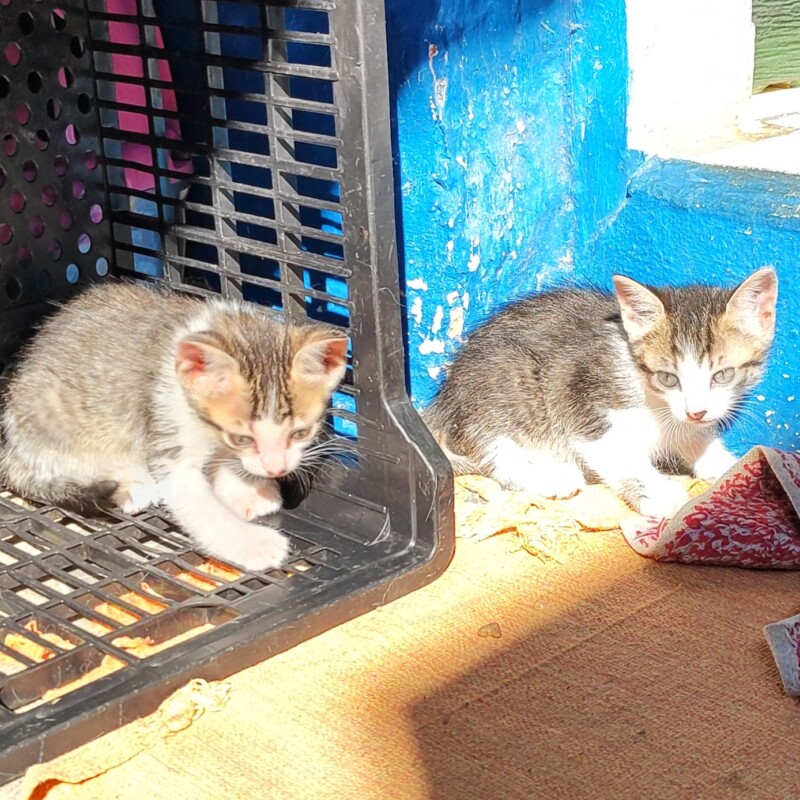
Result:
{"points": [[749, 518]]}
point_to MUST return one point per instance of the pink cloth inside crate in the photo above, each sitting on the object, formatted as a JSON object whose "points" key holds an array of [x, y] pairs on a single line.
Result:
{"points": [[134, 95]]}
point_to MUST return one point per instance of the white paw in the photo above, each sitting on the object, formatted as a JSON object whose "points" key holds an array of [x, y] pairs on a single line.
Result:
{"points": [[255, 548], [265, 500], [556, 481], [662, 499], [247, 500], [138, 497], [713, 465]]}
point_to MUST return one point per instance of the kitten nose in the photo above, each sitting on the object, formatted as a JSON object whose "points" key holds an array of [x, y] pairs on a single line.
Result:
{"points": [[274, 466], [696, 416]]}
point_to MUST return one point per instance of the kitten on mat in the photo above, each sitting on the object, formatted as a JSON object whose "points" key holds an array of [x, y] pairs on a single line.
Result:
{"points": [[569, 385], [129, 396]]}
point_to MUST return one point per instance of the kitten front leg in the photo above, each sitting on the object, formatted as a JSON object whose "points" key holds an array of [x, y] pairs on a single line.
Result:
{"points": [[216, 529], [247, 500], [710, 459], [622, 459]]}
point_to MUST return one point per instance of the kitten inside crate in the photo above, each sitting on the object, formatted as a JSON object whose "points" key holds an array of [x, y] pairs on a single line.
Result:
{"points": [[130, 396], [572, 385]]}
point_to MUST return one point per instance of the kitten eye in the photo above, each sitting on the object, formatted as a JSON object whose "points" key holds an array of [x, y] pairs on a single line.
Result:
{"points": [[300, 434], [667, 379], [724, 376], [238, 440]]}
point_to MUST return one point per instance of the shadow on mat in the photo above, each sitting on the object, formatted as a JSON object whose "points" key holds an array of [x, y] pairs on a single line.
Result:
{"points": [[676, 698]]}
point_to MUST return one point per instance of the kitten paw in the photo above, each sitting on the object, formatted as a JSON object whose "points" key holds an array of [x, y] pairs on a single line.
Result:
{"points": [[559, 482], [246, 500], [263, 501], [541, 475], [713, 465], [662, 500], [137, 497], [255, 548]]}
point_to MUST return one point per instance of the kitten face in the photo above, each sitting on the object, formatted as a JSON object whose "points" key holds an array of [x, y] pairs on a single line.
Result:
{"points": [[266, 406], [700, 349]]}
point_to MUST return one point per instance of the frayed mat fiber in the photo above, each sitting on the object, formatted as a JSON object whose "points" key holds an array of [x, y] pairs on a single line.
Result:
{"points": [[60, 778]]}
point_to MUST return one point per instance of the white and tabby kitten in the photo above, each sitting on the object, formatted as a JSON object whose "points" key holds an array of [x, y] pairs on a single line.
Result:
{"points": [[570, 385], [129, 396]]}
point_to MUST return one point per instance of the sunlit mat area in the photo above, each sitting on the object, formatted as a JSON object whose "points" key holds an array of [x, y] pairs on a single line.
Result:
{"points": [[511, 677]]}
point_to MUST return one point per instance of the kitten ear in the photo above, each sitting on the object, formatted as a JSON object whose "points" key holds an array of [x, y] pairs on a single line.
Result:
{"points": [[203, 367], [323, 362], [641, 309], [752, 307]]}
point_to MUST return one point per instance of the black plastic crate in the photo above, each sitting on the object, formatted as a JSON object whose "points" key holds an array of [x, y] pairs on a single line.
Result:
{"points": [[232, 148]]}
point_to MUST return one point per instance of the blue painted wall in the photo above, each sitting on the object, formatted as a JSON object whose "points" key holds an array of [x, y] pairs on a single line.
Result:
{"points": [[483, 129], [513, 175], [509, 133]]}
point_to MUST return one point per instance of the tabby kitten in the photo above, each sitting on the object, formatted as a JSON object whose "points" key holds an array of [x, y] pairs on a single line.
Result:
{"points": [[571, 385], [131, 396]]}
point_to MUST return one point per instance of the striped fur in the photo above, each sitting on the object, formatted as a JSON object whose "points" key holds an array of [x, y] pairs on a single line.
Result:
{"points": [[134, 386], [572, 385]]}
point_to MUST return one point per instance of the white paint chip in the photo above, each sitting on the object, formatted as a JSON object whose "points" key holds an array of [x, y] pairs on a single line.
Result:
{"points": [[429, 346], [461, 161], [465, 300], [760, 398], [440, 94], [415, 312], [452, 297], [417, 283], [474, 262], [438, 316], [768, 414], [433, 372], [790, 398], [456, 326]]}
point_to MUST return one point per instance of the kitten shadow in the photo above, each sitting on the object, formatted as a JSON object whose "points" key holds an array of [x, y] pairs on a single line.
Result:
{"points": [[294, 490]]}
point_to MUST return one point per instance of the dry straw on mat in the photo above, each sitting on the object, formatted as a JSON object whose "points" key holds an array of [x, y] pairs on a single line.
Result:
{"points": [[545, 528]]}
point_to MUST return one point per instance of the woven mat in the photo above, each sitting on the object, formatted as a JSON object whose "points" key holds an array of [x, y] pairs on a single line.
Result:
{"points": [[597, 674]]}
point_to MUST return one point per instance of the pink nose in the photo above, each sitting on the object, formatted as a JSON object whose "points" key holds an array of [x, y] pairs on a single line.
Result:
{"points": [[696, 416], [274, 466]]}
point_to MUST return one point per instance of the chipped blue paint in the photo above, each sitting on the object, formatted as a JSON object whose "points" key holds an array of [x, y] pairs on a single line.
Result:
{"points": [[482, 127], [513, 175]]}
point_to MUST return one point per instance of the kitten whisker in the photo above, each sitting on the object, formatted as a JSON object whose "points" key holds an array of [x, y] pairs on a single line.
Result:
{"points": [[331, 446]]}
